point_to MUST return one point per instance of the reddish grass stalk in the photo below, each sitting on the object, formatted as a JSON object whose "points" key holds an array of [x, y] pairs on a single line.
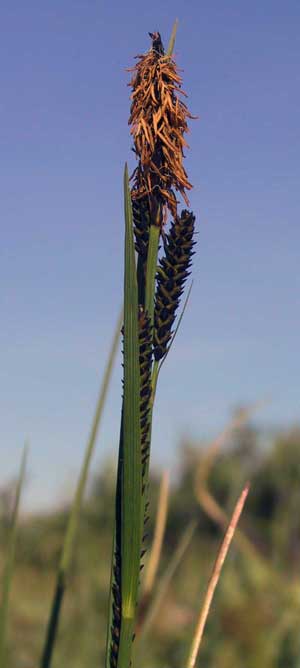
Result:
{"points": [[215, 576]]}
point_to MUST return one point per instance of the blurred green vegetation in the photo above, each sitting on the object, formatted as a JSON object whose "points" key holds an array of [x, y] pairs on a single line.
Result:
{"points": [[255, 618]]}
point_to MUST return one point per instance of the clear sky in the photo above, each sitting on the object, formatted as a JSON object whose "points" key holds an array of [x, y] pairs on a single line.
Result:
{"points": [[64, 139]]}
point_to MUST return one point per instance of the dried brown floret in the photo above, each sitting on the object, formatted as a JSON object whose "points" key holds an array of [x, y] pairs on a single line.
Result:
{"points": [[158, 122]]}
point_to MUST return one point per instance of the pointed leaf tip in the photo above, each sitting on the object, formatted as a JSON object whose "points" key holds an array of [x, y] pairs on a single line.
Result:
{"points": [[172, 39]]}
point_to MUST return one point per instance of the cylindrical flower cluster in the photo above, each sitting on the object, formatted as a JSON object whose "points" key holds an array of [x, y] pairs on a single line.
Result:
{"points": [[158, 122]]}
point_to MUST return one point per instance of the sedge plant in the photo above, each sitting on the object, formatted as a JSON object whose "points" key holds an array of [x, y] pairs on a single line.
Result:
{"points": [[159, 241], [158, 250]]}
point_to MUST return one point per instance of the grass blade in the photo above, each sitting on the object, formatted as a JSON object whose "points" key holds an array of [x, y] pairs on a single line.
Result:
{"points": [[10, 562], [73, 521], [172, 39], [166, 579], [160, 525], [214, 579], [76, 507], [215, 445], [131, 475], [209, 504]]}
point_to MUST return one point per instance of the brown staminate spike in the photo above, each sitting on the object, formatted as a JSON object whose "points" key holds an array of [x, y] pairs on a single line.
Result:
{"points": [[172, 273], [158, 120]]}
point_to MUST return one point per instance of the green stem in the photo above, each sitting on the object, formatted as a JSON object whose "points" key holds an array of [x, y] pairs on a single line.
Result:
{"points": [[151, 271], [154, 236], [53, 620], [125, 649], [131, 504], [155, 372]]}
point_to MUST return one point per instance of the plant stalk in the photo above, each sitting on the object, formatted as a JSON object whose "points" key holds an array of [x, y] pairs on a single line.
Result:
{"points": [[73, 522]]}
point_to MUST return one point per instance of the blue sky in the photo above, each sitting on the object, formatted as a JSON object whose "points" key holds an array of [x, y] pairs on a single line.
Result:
{"points": [[64, 139]]}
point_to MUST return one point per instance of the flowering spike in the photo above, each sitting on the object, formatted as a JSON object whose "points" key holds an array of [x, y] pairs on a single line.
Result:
{"points": [[171, 277], [145, 387], [158, 122]]}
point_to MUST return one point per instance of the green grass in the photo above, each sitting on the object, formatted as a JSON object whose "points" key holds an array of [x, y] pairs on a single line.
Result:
{"points": [[253, 622], [10, 563], [68, 545]]}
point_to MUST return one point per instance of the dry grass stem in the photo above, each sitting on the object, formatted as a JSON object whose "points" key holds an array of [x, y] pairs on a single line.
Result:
{"points": [[212, 508], [214, 447], [160, 525], [165, 580], [218, 515], [247, 547], [215, 577]]}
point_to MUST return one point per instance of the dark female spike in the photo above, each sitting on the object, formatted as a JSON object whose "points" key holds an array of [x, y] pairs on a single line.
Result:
{"points": [[172, 273], [117, 559], [145, 362], [145, 359], [116, 593], [157, 44], [141, 224]]}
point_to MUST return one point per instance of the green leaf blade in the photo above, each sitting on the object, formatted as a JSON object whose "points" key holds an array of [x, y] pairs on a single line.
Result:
{"points": [[171, 44], [131, 479], [10, 562]]}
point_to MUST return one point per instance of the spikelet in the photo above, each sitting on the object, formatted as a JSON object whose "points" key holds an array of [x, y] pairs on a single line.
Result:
{"points": [[116, 586], [116, 612], [172, 274], [158, 120], [141, 223], [145, 390], [145, 359]]}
